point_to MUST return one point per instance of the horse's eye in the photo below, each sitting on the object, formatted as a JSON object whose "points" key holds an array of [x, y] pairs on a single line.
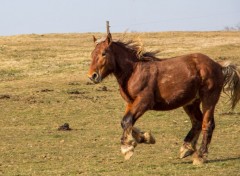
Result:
{"points": [[104, 53]]}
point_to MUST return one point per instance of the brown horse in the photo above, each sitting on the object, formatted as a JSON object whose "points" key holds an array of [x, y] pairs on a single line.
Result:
{"points": [[149, 83]]}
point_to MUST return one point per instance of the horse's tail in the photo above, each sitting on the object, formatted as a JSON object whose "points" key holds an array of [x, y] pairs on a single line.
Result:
{"points": [[231, 82]]}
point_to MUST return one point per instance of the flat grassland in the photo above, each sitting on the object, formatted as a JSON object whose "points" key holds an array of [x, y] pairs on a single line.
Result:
{"points": [[43, 84]]}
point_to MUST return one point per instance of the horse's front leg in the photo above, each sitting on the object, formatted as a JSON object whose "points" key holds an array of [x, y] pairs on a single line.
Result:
{"points": [[128, 141], [142, 136], [139, 135], [132, 136], [133, 112]]}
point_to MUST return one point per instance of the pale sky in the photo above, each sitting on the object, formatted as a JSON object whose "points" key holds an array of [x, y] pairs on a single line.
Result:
{"points": [[80, 16]]}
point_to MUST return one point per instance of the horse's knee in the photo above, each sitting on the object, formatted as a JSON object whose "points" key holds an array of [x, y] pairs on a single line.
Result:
{"points": [[127, 121]]}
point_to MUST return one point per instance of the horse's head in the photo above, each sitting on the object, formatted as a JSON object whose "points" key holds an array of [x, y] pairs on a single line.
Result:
{"points": [[102, 63]]}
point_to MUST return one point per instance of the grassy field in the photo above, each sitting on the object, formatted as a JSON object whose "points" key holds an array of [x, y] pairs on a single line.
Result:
{"points": [[44, 85]]}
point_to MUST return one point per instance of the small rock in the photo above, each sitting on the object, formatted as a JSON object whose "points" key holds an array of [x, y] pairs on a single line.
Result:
{"points": [[46, 90], [74, 83], [5, 96], [75, 92], [89, 83], [103, 88], [64, 127]]}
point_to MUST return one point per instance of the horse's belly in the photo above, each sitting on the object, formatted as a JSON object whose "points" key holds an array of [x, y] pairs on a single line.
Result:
{"points": [[165, 105], [176, 95]]}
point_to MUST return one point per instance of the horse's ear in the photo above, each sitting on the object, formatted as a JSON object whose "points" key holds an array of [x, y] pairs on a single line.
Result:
{"points": [[94, 39], [109, 38]]}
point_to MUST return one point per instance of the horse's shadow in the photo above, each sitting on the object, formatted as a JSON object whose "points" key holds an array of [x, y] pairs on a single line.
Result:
{"points": [[224, 159], [214, 160]]}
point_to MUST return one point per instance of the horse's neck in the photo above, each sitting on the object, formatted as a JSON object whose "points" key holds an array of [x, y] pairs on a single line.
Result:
{"points": [[124, 67], [124, 71], [122, 75]]}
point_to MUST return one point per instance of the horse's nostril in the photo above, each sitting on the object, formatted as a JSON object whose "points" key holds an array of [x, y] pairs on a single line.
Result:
{"points": [[94, 76]]}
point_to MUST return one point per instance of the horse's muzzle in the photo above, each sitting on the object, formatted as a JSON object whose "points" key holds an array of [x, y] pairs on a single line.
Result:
{"points": [[95, 77]]}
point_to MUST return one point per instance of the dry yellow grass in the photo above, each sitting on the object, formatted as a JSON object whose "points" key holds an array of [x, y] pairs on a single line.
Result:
{"points": [[44, 84]]}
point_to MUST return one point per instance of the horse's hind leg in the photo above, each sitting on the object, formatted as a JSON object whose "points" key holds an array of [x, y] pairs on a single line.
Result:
{"points": [[208, 126], [190, 141], [209, 101]]}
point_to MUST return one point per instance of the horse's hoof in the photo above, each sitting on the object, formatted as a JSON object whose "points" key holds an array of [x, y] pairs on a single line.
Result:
{"points": [[185, 151], [198, 161], [149, 139], [128, 155], [127, 151]]}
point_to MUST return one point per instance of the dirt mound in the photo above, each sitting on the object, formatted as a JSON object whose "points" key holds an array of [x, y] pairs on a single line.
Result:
{"points": [[64, 127]]}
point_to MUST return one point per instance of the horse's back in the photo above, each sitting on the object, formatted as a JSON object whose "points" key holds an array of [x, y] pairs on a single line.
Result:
{"points": [[180, 79], [194, 65], [174, 82]]}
